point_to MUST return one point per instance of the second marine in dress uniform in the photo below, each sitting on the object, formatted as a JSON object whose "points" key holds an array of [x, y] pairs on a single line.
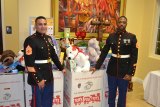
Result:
{"points": [[122, 64]]}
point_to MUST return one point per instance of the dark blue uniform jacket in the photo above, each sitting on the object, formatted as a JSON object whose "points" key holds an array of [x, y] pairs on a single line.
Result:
{"points": [[40, 47], [120, 44]]}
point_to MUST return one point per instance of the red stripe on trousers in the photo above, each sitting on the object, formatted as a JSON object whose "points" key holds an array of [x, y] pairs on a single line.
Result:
{"points": [[34, 99]]}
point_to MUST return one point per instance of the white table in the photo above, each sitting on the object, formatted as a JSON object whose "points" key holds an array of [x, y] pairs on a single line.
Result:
{"points": [[151, 86]]}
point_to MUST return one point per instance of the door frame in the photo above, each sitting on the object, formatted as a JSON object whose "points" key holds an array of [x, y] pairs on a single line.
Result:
{"points": [[1, 36]]}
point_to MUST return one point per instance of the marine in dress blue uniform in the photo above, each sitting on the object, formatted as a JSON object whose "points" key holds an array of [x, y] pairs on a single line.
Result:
{"points": [[122, 64], [38, 53]]}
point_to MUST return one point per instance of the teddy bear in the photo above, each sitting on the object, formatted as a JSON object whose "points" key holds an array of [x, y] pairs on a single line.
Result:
{"points": [[81, 61], [93, 50], [9, 64]]}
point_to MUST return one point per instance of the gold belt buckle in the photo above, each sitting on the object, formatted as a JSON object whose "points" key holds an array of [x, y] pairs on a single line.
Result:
{"points": [[118, 56], [49, 60]]}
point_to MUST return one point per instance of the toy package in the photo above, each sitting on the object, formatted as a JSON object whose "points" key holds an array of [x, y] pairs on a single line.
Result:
{"points": [[9, 64]]}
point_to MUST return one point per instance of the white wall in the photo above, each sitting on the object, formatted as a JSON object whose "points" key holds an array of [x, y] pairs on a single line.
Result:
{"points": [[10, 18], [141, 16]]}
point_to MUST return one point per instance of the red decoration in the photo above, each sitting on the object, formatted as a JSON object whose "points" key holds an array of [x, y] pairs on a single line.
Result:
{"points": [[78, 33], [81, 34]]}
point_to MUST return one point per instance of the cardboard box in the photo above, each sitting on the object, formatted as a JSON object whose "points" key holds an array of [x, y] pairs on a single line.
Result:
{"points": [[11, 90], [83, 89]]}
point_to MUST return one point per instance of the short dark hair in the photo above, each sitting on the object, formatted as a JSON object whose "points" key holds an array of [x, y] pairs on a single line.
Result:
{"points": [[122, 17], [39, 17]]}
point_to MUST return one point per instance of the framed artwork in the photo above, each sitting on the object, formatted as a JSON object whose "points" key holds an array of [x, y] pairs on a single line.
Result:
{"points": [[78, 15], [8, 29]]}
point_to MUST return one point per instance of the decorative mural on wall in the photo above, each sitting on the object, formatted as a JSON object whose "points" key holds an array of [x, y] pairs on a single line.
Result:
{"points": [[79, 14]]}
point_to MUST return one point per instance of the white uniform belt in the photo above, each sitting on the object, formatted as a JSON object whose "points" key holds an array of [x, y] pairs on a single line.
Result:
{"points": [[120, 56], [42, 61]]}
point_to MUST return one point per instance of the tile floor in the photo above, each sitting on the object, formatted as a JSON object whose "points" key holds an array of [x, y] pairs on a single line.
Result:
{"points": [[135, 98]]}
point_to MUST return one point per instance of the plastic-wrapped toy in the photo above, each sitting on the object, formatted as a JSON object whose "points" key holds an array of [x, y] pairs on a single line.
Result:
{"points": [[93, 50], [9, 64], [20, 57]]}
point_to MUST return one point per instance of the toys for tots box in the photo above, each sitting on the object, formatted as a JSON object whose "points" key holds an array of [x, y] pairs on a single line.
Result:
{"points": [[11, 90], [83, 89], [58, 90]]}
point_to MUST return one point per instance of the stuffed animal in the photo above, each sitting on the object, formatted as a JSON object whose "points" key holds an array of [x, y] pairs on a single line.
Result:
{"points": [[93, 50], [81, 60], [9, 64], [20, 57]]}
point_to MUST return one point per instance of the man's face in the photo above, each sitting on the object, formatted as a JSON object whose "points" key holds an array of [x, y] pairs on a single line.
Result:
{"points": [[122, 23], [41, 26]]}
